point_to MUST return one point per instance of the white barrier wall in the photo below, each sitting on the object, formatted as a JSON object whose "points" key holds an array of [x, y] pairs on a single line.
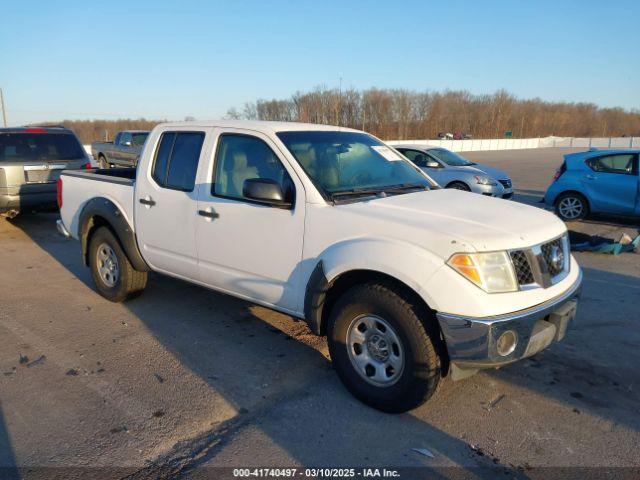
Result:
{"points": [[475, 145]]}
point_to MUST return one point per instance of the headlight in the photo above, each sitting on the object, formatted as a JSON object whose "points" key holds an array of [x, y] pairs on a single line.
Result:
{"points": [[486, 181], [493, 272]]}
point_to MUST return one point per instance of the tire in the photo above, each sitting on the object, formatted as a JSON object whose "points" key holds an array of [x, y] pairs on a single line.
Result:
{"points": [[459, 186], [572, 206], [120, 282], [400, 389], [102, 162]]}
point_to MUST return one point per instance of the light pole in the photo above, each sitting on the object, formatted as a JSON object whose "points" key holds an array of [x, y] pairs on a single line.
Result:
{"points": [[4, 112]]}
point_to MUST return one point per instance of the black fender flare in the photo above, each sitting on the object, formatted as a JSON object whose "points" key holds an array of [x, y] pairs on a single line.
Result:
{"points": [[109, 211]]}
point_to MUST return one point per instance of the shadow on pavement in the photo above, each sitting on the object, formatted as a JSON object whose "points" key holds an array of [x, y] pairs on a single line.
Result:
{"points": [[595, 368], [530, 197], [283, 390], [8, 467]]}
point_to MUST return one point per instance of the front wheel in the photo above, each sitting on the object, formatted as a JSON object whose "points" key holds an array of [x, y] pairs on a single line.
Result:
{"points": [[571, 206], [459, 186], [114, 276], [381, 349]]}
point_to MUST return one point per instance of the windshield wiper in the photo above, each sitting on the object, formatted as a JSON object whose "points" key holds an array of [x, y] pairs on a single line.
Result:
{"points": [[353, 192], [403, 187]]}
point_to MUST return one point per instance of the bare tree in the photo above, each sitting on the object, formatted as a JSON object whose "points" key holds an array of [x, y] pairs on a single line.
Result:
{"points": [[407, 114]]}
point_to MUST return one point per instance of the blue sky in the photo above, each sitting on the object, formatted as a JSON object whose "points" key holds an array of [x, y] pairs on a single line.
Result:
{"points": [[83, 59]]}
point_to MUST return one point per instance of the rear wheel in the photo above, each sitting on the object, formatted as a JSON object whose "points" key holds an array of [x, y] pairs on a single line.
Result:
{"points": [[459, 186], [381, 349], [102, 162], [572, 206], [114, 276]]}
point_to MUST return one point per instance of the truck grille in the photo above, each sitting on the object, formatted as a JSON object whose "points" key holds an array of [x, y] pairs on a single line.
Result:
{"points": [[542, 265], [506, 183], [522, 267], [550, 253]]}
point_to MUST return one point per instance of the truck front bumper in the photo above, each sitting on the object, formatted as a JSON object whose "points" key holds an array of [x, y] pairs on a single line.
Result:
{"points": [[475, 343]]}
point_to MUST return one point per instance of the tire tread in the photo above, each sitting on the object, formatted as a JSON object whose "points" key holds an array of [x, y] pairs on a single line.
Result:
{"points": [[418, 325]]}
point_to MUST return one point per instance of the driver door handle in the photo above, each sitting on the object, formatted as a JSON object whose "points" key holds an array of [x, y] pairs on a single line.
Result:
{"points": [[148, 201], [590, 177], [208, 213]]}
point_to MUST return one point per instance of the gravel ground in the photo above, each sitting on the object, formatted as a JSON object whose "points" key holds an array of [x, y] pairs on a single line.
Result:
{"points": [[184, 381]]}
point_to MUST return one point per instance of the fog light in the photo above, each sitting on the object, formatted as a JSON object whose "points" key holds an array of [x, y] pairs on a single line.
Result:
{"points": [[507, 343]]}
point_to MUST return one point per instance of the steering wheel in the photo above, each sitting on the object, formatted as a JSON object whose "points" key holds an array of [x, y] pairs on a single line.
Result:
{"points": [[361, 176]]}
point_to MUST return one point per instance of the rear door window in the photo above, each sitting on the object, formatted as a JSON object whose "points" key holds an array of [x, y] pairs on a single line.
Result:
{"points": [[139, 138], [176, 162], [622, 163]]}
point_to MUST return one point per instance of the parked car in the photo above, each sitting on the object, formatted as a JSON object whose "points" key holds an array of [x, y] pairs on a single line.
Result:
{"points": [[124, 151], [596, 181], [410, 282], [451, 170], [31, 159]]}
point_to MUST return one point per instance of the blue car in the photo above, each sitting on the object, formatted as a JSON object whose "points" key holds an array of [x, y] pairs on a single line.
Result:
{"points": [[596, 181]]}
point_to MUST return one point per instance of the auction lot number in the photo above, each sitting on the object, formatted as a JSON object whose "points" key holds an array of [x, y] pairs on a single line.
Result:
{"points": [[315, 472]]}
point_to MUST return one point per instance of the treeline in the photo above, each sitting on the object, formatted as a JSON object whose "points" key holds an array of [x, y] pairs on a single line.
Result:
{"points": [[102, 130], [406, 114]]}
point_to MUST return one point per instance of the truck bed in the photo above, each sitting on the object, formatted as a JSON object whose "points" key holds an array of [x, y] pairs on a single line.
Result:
{"points": [[78, 187]]}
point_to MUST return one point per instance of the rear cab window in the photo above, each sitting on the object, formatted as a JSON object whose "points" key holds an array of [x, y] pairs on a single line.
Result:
{"points": [[176, 160]]}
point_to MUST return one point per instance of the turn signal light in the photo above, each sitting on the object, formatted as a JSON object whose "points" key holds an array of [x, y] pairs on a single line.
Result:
{"points": [[466, 266]]}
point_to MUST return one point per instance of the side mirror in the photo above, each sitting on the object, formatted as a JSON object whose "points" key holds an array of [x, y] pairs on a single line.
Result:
{"points": [[267, 191], [432, 164]]}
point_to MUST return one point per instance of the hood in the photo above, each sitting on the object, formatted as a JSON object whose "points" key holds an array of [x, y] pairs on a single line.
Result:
{"points": [[491, 171], [449, 220]]}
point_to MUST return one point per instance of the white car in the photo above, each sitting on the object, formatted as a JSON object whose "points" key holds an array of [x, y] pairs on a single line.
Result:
{"points": [[409, 282]]}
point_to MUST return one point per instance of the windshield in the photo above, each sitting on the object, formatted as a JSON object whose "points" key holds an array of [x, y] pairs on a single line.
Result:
{"points": [[139, 138], [450, 158], [353, 162], [39, 146]]}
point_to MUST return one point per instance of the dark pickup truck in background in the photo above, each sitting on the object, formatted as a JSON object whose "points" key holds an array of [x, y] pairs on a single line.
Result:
{"points": [[123, 151], [31, 159]]}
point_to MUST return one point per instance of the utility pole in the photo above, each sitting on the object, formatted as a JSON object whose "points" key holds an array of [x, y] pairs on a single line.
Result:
{"points": [[4, 112]]}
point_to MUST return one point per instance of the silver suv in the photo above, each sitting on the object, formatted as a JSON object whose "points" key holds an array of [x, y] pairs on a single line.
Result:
{"points": [[31, 159]]}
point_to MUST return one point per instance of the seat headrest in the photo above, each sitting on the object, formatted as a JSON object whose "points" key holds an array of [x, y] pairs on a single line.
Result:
{"points": [[237, 160]]}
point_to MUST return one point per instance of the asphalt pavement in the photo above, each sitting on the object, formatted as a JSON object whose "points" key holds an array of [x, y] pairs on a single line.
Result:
{"points": [[185, 381]]}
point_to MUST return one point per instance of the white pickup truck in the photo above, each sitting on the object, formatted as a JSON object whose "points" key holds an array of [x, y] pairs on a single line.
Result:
{"points": [[409, 282]]}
